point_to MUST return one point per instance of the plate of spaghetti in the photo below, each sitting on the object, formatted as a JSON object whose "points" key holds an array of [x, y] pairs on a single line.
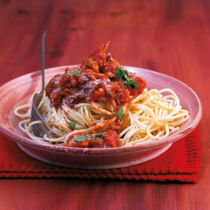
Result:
{"points": [[102, 114]]}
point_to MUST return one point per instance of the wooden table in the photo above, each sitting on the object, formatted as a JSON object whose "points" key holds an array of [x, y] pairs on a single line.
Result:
{"points": [[168, 36]]}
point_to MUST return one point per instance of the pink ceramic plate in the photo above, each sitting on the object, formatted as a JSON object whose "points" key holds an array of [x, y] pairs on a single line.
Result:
{"points": [[20, 91]]}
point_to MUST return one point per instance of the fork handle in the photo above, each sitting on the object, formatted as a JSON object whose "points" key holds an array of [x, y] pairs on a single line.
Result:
{"points": [[43, 59]]}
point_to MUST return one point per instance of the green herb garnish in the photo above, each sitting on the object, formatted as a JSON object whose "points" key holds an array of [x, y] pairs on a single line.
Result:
{"points": [[84, 123], [72, 124], [80, 138], [97, 135], [124, 76], [72, 73], [132, 83], [75, 72], [121, 74], [120, 113]]}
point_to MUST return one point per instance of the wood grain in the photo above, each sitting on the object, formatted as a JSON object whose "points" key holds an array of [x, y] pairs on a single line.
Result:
{"points": [[168, 36]]}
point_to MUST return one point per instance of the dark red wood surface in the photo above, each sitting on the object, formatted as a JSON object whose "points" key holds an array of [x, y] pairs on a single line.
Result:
{"points": [[168, 36]]}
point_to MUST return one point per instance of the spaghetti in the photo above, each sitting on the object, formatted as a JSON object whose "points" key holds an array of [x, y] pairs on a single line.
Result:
{"points": [[99, 104]]}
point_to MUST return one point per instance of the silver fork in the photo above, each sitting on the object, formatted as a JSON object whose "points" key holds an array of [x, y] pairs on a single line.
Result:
{"points": [[40, 129]]}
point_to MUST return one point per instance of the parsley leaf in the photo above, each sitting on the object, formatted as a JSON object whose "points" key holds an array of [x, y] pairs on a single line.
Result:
{"points": [[84, 123], [72, 124], [132, 83], [121, 74], [120, 113], [75, 72], [124, 76], [72, 73], [80, 138], [97, 135]]}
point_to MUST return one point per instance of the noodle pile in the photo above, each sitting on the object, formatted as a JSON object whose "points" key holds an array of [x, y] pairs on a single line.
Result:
{"points": [[152, 115]]}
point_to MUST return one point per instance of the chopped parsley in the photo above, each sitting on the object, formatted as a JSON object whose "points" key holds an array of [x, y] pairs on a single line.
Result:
{"points": [[72, 73], [72, 124], [121, 74], [124, 76], [132, 83], [97, 135], [82, 138], [120, 113], [75, 72], [84, 123]]}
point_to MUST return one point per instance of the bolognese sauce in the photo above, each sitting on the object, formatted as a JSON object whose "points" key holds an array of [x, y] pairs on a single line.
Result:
{"points": [[99, 76]]}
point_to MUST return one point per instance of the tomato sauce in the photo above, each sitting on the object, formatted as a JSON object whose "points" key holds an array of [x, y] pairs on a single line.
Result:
{"points": [[95, 78]]}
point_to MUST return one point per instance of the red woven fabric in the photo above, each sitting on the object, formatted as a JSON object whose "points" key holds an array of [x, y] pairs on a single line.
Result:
{"points": [[180, 163]]}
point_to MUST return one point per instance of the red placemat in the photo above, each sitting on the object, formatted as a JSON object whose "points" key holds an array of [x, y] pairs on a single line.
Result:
{"points": [[180, 163]]}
